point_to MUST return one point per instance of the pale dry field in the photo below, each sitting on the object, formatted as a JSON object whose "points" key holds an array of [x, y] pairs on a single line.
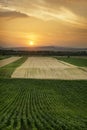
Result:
{"points": [[48, 68], [8, 61]]}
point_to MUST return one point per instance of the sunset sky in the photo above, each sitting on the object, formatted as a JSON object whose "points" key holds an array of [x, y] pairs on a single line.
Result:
{"points": [[43, 23]]}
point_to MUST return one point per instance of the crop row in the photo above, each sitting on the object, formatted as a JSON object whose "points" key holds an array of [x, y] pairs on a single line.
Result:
{"points": [[42, 105]]}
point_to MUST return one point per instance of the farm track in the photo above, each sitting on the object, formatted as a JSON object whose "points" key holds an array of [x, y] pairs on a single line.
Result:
{"points": [[8, 61], [48, 68], [41, 105]]}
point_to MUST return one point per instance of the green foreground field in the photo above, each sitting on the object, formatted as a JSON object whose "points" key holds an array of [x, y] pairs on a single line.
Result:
{"points": [[81, 62], [29, 104]]}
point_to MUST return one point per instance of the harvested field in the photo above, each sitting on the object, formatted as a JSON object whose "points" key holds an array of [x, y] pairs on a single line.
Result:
{"points": [[8, 61], [48, 68]]}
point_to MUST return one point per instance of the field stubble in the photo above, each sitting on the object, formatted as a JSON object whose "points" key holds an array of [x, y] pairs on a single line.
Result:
{"points": [[48, 68], [8, 61]]}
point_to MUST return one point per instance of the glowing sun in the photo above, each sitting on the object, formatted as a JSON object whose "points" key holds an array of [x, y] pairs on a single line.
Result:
{"points": [[31, 43]]}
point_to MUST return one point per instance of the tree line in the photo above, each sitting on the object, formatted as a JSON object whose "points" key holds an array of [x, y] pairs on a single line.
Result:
{"points": [[44, 53]]}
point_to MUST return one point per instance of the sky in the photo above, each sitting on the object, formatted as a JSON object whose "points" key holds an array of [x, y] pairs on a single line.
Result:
{"points": [[43, 23]]}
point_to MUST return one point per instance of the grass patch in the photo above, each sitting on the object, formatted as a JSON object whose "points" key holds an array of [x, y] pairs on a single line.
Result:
{"points": [[81, 62], [6, 71], [43, 104], [3, 57]]}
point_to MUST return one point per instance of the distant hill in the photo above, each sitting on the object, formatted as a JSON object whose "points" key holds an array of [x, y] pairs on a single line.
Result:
{"points": [[44, 48]]}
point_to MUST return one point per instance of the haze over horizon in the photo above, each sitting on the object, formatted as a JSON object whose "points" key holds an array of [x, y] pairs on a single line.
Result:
{"points": [[43, 23]]}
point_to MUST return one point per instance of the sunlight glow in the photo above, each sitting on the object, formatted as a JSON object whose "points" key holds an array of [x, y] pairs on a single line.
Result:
{"points": [[31, 43]]}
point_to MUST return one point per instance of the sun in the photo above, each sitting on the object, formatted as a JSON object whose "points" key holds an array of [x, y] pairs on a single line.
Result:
{"points": [[31, 43]]}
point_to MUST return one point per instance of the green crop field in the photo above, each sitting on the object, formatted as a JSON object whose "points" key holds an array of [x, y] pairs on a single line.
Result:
{"points": [[28, 104], [81, 62], [3, 57], [34, 104], [6, 71]]}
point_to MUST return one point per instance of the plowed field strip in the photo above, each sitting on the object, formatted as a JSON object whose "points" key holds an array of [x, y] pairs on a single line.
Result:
{"points": [[8, 61], [48, 68]]}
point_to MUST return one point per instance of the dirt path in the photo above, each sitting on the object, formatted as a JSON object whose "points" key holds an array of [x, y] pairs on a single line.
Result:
{"points": [[8, 61], [48, 68]]}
